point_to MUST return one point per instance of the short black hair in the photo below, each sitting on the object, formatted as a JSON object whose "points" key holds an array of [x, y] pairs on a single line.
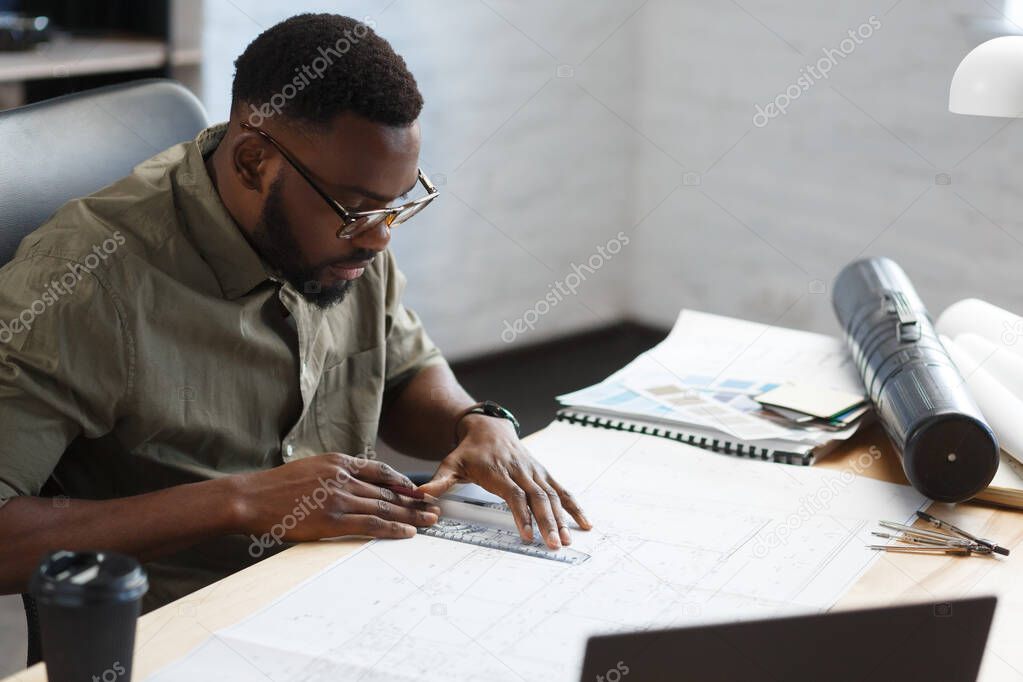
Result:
{"points": [[312, 67]]}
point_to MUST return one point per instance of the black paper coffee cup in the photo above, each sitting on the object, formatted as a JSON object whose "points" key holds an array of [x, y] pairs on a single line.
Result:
{"points": [[88, 605]]}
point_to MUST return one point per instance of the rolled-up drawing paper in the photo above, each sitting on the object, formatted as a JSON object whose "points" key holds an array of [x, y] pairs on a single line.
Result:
{"points": [[974, 316], [948, 451], [1002, 409], [998, 361]]}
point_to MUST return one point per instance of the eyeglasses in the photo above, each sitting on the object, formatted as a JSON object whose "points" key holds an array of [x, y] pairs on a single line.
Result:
{"points": [[354, 223]]}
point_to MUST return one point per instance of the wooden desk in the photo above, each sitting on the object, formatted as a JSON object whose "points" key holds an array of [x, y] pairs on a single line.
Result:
{"points": [[168, 633]]}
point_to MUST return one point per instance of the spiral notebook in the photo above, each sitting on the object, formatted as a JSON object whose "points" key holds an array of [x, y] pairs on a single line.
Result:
{"points": [[717, 442], [699, 385]]}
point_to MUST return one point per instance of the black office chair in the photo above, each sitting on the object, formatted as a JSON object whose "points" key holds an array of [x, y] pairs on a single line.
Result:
{"points": [[71, 146]]}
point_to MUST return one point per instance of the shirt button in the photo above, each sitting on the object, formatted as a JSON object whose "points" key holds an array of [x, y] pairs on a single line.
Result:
{"points": [[289, 450]]}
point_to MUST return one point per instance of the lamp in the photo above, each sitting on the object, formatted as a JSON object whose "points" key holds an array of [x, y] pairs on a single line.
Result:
{"points": [[989, 80]]}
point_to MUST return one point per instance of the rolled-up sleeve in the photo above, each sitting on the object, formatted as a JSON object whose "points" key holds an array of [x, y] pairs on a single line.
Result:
{"points": [[64, 369], [409, 348]]}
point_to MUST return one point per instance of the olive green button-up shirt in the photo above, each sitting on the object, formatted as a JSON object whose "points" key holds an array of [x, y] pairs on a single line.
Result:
{"points": [[145, 344]]}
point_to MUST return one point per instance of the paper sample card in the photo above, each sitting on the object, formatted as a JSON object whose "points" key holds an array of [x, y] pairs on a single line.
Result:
{"points": [[818, 401]]}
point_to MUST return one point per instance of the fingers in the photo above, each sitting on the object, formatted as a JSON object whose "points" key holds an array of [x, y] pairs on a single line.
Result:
{"points": [[389, 512], [559, 512], [376, 527], [569, 504], [518, 503], [371, 470], [341, 495], [540, 505], [358, 473], [383, 474], [441, 482], [375, 493]]}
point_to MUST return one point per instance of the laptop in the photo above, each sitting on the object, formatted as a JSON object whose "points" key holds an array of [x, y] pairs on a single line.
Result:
{"points": [[932, 641]]}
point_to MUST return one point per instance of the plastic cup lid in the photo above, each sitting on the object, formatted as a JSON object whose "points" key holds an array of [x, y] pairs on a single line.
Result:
{"points": [[71, 578]]}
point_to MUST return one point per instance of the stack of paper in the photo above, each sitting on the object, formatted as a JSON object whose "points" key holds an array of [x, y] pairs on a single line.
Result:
{"points": [[706, 375], [810, 404]]}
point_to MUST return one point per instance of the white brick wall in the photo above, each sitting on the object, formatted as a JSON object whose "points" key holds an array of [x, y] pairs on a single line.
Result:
{"points": [[851, 168], [539, 170]]}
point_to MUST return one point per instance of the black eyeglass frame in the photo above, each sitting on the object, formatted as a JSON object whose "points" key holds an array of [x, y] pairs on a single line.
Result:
{"points": [[348, 229]]}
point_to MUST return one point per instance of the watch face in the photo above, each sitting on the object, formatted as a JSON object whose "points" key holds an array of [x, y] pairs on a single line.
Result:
{"points": [[492, 409], [495, 410]]}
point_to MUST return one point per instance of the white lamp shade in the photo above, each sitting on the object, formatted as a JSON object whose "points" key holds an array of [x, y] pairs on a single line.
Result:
{"points": [[989, 80]]}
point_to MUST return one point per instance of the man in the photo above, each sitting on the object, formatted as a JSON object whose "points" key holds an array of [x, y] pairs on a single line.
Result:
{"points": [[196, 360]]}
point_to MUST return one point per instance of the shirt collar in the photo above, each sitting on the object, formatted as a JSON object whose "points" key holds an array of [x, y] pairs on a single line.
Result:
{"points": [[236, 265]]}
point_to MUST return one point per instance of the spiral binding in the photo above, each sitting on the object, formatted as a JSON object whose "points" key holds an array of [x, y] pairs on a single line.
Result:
{"points": [[715, 445]]}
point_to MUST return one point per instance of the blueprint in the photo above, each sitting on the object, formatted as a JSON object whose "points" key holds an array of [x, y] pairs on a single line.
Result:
{"points": [[682, 537]]}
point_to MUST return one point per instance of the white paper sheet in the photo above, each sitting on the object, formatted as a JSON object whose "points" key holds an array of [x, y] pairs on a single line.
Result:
{"points": [[682, 537], [997, 360], [701, 343], [973, 316], [1000, 407]]}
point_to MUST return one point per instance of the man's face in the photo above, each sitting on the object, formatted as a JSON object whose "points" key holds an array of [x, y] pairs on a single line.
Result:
{"points": [[361, 165]]}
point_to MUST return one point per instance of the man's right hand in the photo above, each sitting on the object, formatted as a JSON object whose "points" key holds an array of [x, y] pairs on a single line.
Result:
{"points": [[329, 495], [317, 497]]}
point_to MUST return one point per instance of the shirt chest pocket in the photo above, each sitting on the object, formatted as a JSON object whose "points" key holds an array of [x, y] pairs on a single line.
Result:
{"points": [[348, 402]]}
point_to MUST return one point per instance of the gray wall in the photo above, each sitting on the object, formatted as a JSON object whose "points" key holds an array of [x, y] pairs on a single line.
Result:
{"points": [[856, 167], [555, 125]]}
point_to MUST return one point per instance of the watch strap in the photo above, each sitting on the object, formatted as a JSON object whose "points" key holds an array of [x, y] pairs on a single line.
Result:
{"points": [[487, 408]]}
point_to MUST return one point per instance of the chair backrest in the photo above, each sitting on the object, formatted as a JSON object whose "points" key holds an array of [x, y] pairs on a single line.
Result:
{"points": [[71, 146]]}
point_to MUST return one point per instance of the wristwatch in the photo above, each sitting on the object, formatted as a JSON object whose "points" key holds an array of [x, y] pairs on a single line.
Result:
{"points": [[490, 409]]}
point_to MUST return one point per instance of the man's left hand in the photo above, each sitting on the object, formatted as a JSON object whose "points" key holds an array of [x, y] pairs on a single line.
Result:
{"points": [[491, 455]]}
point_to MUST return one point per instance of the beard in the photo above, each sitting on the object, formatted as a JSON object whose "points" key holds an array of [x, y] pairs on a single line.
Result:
{"points": [[274, 238]]}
